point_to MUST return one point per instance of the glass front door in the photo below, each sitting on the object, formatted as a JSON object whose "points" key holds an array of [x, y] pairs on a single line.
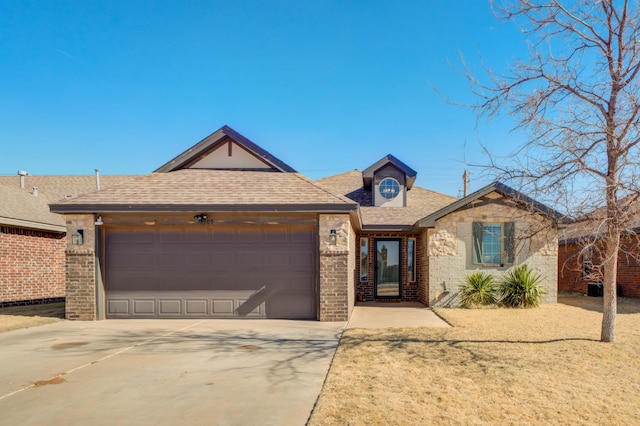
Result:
{"points": [[387, 268]]}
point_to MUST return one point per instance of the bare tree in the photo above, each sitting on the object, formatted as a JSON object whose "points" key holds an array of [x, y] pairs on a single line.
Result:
{"points": [[576, 99]]}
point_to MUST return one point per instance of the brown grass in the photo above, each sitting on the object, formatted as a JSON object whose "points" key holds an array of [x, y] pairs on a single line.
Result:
{"points": [[496, 366], [17, 317]]}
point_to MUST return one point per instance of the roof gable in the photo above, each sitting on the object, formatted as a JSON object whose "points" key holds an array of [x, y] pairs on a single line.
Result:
{"points": [[518, 197], [225, 149], [367, 174]]}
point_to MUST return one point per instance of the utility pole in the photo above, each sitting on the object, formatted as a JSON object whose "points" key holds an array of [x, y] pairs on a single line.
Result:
{"points": [[465, 182]]}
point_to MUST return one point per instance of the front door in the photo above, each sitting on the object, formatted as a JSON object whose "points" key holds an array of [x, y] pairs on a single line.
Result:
{"points": [[387, 268]]}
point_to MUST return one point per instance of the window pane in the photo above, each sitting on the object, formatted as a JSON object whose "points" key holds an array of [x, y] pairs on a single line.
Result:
{"points": [[411, 275], [364, 259], [491, 243]]}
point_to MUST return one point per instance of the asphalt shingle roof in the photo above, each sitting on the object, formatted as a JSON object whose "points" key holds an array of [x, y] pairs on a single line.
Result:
{"points": [[420, 202], [19, 207], [199, 189]]}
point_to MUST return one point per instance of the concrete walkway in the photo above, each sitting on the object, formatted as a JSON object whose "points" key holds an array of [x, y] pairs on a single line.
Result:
{"points": [[396, 315]]}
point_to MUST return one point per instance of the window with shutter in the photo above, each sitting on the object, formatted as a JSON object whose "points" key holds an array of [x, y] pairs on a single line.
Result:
{"points": [[493, 243]]}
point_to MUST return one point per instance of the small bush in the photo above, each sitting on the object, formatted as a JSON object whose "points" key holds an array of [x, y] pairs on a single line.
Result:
{"points": [[521, 288], [479, 290]]}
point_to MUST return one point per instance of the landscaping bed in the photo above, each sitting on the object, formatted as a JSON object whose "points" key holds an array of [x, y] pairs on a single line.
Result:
{"points": [[495, 366]]}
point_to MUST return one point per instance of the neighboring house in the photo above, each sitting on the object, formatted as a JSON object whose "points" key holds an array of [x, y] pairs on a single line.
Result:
{"points": [[32, 239], [580, 254], [227, 230]]}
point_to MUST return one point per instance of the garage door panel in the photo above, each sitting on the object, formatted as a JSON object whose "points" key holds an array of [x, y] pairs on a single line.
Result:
{"points": [[275, 235], [211, 272], [222, 235], [303, 236]]}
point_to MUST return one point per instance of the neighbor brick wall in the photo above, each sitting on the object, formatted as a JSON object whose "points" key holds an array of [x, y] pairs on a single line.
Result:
{"points": [[570, 277], [32, 265]]}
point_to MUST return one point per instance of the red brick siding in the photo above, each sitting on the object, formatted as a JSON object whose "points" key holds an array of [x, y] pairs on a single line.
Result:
{"points": [[32, 265], [570, 277], [410, 291]]}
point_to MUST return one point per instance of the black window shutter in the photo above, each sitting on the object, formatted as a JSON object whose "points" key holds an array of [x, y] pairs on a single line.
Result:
{"points": [[477, 242], [509, 242]]}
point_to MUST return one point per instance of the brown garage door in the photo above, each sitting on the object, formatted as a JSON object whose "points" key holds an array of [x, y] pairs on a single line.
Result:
{"points": [[211, 272]]}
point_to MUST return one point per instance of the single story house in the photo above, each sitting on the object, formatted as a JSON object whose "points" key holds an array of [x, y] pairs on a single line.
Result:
{"points": [[32, 239], [580, 256], [227, 230]]}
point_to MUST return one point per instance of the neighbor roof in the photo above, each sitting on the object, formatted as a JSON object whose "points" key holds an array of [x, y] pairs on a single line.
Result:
{"points": [[61, 187], [212, 142], [20, 207], [429, 220], [211, 190], [420, 201], [593, 226]]}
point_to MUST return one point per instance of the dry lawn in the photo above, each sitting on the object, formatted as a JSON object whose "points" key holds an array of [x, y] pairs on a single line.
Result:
{"points": [[495, 366], [17, 317]]}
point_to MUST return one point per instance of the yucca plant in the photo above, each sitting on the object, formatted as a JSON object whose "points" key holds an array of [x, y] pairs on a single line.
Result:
{"points": [[479, 290], [521, 288]]}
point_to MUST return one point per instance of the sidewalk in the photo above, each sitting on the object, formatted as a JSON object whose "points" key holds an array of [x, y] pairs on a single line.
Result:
{"points": [[398, 315]]}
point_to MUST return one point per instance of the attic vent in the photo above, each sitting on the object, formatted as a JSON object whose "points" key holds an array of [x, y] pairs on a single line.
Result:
{"points": [[68, 196]]}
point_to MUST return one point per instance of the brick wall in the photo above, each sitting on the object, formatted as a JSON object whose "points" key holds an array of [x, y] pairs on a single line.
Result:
{"points": [[32, 265], [81, 301], [410, 291], [572, 279], [81, 289], [336, 267], [334, 291]]}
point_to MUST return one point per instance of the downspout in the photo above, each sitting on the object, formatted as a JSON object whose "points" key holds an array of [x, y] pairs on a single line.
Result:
{"points": [[100, 297]]}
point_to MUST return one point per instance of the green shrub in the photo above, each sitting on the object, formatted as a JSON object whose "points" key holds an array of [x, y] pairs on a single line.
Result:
{"points": [[479, 290], [521, 288]]}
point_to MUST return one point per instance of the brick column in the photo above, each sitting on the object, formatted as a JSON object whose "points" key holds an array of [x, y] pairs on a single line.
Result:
{"points": [[81, 270], [336, 279], [81, 286]]}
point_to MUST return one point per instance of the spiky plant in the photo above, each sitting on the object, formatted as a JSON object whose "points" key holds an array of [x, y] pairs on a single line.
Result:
{"points": [[479, 290], [521, 288]]}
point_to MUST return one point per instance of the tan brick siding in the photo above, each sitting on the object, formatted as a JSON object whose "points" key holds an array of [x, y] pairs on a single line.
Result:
{"points": [[81, 289], [32, 265], [450, 249], [336, 268]]}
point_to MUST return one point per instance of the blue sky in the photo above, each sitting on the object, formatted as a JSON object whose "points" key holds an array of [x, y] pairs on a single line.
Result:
{"points": [[326, 86]]}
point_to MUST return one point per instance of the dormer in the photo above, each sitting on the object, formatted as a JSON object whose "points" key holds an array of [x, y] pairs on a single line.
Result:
{"points": [[389, 179], [226, 149]]}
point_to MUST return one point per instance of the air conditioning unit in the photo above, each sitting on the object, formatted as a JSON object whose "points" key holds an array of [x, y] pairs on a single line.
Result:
{"points": [[594, 289]]}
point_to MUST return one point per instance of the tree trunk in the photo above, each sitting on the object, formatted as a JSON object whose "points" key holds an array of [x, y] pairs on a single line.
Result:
{"points": [[612, 246], [610, 303]]}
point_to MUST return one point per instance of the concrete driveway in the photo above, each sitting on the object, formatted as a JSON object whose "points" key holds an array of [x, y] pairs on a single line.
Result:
{"points": [[132, 372]]}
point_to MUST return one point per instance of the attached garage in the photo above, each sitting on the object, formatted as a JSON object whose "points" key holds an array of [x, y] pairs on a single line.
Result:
{"points": [[211, 272], [223, 230]]}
